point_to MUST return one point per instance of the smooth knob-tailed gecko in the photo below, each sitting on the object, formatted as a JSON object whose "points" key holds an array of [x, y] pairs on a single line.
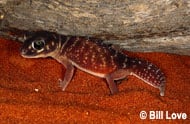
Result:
{"points": [[93, 56]]}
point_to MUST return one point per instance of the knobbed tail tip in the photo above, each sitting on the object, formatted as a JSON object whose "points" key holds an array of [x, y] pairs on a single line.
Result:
{"points": [[162, 89]]}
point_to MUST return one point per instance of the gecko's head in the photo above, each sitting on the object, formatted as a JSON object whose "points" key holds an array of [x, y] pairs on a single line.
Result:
{"points": [[40, 44]]}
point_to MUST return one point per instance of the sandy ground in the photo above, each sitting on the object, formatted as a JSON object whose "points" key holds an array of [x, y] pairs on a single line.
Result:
{"points": [[30, 93]]}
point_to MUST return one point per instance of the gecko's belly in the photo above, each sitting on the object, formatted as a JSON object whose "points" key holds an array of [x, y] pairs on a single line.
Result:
{"points": [[92, 72]]}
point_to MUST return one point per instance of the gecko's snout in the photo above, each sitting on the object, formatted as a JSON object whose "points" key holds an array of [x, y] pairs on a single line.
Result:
{"points": [[23, 51]]}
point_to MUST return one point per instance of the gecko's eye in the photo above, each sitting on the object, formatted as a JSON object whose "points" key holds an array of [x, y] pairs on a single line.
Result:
{"points": [[38, 44]]}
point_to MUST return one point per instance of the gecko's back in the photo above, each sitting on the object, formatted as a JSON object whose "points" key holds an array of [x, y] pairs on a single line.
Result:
{"points": [[92, 56]]}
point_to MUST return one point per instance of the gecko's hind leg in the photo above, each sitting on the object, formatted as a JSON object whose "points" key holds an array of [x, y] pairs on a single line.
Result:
{"points": [[117, 75], [111, 84]]}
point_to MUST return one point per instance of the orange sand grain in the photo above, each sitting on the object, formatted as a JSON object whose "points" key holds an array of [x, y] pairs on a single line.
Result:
{"points": [[29, 91]]}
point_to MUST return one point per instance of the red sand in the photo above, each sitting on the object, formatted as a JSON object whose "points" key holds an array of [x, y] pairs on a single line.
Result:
{"points": [[86, 99]]}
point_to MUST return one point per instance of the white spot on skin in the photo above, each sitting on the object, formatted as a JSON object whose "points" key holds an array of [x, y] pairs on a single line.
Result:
{"points": [[91, 47], [104, 65], [99, 49], [157, 71], [148, 67], [162, 78], [47, 47], [105, 51], [90, 51], [84, 61], [82, 49], [69, 50], [133, 61], [157, 77], [103, 61], [87, 42], [52, 43], [92, 60], [124, 65], [112, 61], [75, 42], [145, 74], [86, 58], [77, 58], [93, 55], [139, 73], [77, 51], [30, 47]]}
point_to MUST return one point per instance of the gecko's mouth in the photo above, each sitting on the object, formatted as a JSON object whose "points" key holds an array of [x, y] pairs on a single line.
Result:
{"points": [[29, 54], [25, 56]]}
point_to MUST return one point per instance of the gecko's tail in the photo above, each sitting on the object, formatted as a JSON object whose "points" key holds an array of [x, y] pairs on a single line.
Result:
{"points": [[148, 72]]}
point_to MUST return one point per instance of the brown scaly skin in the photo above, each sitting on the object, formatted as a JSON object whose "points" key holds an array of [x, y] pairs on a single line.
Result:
{"points": [[92, 56]]}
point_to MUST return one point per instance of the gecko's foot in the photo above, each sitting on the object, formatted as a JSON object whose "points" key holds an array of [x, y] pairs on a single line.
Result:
{"points": [[162, 90], [62, 84]]}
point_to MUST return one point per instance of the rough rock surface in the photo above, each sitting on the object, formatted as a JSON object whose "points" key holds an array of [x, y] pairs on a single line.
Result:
{"points": [[140, 25]]}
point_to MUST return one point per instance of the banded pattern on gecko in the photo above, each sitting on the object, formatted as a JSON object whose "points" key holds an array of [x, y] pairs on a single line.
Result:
{"points": [[93, 56]]}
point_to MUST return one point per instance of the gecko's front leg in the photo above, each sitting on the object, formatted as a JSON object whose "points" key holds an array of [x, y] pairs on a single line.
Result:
{"points": [[68, 75]]}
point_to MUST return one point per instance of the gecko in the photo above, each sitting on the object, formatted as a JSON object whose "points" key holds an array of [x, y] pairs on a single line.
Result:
{"points": [[92, 56]]}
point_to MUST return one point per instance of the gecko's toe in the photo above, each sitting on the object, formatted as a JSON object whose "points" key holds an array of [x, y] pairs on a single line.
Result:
{"points": [[62, 84], [162, 90]]}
